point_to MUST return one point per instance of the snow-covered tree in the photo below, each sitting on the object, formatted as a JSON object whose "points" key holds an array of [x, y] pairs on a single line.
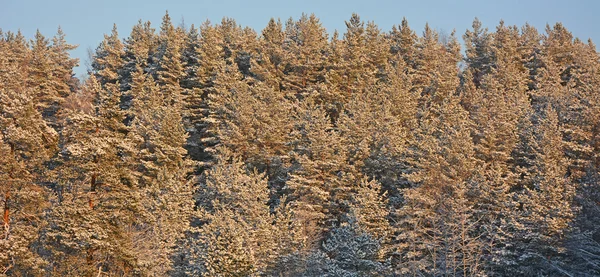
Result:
{"points": [[26, 143], [242, 235]]}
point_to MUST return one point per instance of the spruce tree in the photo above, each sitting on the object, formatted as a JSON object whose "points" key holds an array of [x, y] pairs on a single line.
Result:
{"points": [[547, 201], [270, 66], [192, 89], [251, 118], [320, 189], [242, 235], [304, 45], [435, 225], [99, 200], [569, 74], [211, 56], [359, 154], [139, 48], [479, 54], [369, 210], [164, 170], [40, 74], [64, 64], [169, 69], [497, 107], [404, 42], [108, 58], [378, 124]]}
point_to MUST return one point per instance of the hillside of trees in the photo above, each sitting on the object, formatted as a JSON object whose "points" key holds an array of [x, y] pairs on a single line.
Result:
{"points": [[219, 150]]}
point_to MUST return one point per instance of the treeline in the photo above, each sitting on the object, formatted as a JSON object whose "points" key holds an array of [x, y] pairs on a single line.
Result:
{"points": [[220, 151]]}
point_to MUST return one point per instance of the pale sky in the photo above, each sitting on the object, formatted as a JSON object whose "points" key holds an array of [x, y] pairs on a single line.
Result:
{"points": [[85, 22]]}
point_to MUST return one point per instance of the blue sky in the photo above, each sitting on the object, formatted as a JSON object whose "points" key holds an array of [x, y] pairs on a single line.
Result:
{"points": [[85, 22]]}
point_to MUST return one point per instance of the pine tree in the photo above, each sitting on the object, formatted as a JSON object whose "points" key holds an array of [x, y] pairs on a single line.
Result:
{"points": [[479, 53], [99, 203], [320, 189], [435, 226], [191, 87], [40, 75], [251, 118], [64, 64], [547, 202], [359, 154], [108, 59], [164, 169], [270, 66], [60, 79], [14, 60], [305, 43], [139, 48], [26, 143], [242, 235], [404, 42]]}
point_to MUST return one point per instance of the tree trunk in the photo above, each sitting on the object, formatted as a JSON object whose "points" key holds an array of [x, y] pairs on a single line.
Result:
{"points": [[92, 190], [6, 215]]}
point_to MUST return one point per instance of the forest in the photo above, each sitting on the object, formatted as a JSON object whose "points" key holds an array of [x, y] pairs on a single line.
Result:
{"points": [[219, 150]]}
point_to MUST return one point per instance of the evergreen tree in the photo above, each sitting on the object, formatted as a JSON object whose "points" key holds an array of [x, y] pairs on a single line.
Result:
{"points": [[305, 44], [369, 208], [211, 56], [108, 59], [192, 87], [139, 48], [530, 49], [499, 104], [251, 118], [270, 67], [567, 79], [241, 236], [168, 196], [14, 61], [64, 64], [363, 60], [169, 69], [41, 70], [435, 227], [320, 189], [99, 203], [359, 154], [547, 202], [378, 125], [27, 142], [347, 251], [479, 53], [404, 42]]}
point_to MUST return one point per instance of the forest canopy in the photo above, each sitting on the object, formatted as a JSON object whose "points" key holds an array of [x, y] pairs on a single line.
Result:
{"points": [[219, 150]]}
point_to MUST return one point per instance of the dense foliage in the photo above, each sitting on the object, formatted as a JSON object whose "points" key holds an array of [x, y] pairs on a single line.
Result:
{"points": [[218, 151]]}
